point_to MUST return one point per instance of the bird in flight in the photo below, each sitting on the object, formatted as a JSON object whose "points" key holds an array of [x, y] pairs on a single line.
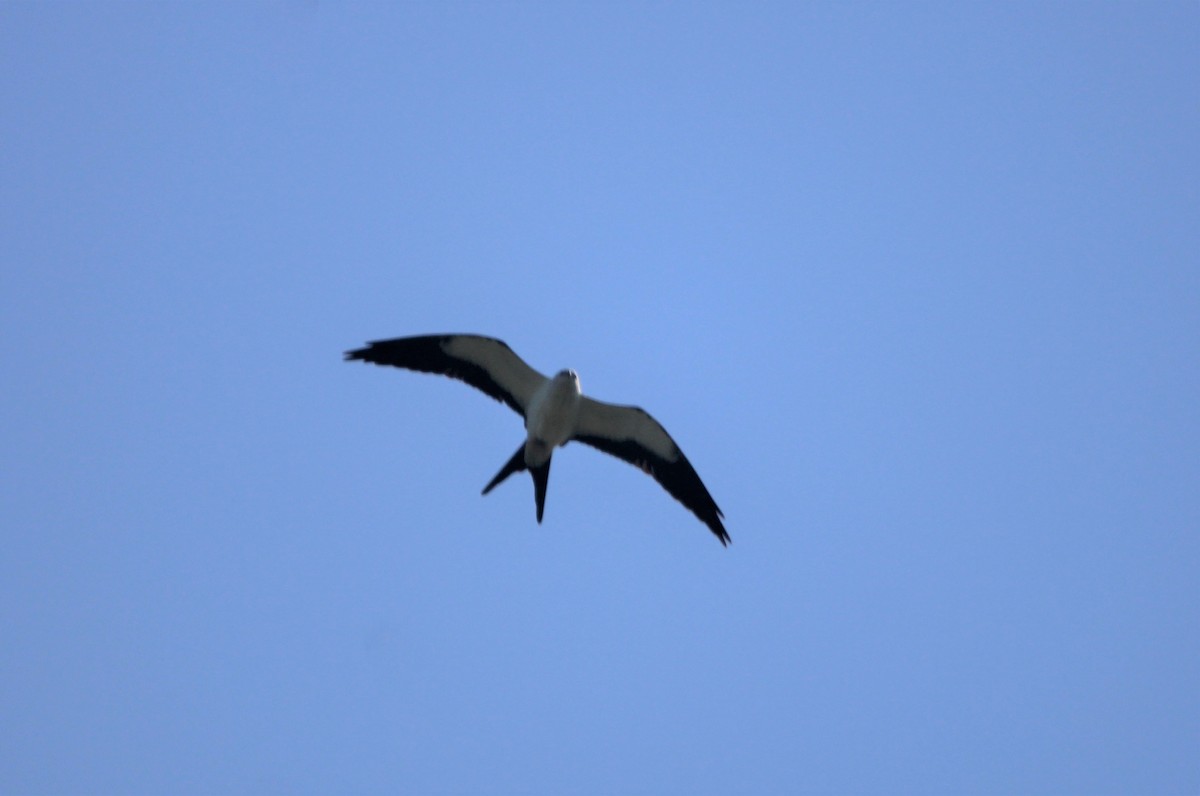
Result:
{"points": [[555, 413]]}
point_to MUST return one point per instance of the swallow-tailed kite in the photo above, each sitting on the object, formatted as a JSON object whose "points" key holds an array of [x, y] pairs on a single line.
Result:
{"points": [[555, 413]]}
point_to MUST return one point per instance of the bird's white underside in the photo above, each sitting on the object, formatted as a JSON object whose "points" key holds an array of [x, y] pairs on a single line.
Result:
{"points": [[550, 416]]}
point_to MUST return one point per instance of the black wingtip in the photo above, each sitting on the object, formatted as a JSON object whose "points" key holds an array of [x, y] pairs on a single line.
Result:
{"points": [[713, 521]]}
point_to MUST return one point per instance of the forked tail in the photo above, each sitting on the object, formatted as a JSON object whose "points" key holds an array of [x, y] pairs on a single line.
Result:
{"points": [[541, 476], [515, 465]]}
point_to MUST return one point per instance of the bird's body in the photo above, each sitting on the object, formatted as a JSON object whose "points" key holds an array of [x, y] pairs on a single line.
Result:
{"points": [[552, 416], [555, 411]]}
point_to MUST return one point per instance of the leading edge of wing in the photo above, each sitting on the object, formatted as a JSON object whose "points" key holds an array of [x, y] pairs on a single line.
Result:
{"points": [[485, 363]]}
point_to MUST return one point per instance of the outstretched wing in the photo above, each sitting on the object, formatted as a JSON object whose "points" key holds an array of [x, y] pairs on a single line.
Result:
{"points": [[629, 433], [487, 364]]}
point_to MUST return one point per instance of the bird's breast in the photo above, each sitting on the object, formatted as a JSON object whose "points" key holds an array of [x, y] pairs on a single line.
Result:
{"points": [[550, 420]]}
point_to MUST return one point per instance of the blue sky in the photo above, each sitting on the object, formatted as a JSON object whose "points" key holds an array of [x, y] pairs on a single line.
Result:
{"points": [[915, 286]]}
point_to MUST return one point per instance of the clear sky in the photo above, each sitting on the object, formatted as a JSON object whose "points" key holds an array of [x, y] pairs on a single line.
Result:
{"points": [[916, 287]]}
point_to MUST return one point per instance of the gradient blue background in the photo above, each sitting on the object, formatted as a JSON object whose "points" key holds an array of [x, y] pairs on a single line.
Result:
{"points": [[915, 286]]}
